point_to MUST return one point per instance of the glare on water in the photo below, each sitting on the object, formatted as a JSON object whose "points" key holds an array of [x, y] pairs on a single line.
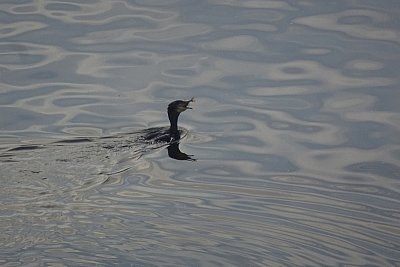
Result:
{"points": [[289, 157]]}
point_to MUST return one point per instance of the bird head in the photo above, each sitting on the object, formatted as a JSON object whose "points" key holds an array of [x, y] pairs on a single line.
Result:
{"points": [[179, 106]]}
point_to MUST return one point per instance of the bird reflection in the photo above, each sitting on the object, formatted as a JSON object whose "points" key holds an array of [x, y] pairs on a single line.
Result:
{"points": [[175, 153]]}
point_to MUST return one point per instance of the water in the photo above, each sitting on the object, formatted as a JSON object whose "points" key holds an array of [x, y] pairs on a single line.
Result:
{"points": [[295, 133]]}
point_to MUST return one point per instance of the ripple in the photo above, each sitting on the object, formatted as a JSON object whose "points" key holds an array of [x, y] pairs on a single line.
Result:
{"points": [[309, 72], [294, 131], [365, 65], [18, 28], [177, 31], [257, 4], [19, 56], [236, 43], [72, 101], [63, 7], [378, 168], [350, 23], [23, 119]]}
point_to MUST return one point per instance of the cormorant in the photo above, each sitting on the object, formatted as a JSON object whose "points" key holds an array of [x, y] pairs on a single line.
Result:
{"points": [[172, 134]]}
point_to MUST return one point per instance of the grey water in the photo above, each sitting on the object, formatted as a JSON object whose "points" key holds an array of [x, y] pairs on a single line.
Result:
{"points": [[294, 135]]}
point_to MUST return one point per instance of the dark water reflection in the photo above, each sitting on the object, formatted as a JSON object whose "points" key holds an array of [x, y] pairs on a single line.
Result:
{"points": [[295, 133]]}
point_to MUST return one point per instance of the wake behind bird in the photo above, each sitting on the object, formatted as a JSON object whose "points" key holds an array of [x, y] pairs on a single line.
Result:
{"points": [[80, 163]]}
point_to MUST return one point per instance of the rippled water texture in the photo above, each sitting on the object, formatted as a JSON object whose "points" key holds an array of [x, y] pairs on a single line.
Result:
{"points": [[295, 133]]}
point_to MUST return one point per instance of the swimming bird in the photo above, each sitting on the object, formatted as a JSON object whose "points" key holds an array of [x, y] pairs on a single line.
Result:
{"points": [[135, 143], [172, 133]]}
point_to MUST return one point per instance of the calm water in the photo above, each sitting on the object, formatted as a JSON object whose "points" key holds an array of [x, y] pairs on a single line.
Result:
{"points": [[295, 131]]}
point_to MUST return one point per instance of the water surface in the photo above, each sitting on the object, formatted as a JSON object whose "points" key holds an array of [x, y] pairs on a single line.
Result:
{"points": [[295, 133]]}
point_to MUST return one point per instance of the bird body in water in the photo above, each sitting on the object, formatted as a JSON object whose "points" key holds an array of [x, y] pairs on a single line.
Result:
{"points": [[135, 143], [172, 134]]}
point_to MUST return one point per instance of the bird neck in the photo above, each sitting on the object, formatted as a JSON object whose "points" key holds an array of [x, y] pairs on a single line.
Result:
{"points": [[173, 119]]}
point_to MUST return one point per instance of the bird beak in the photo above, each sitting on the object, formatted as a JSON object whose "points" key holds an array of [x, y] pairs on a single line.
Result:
{"points": [[188, 102]]}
